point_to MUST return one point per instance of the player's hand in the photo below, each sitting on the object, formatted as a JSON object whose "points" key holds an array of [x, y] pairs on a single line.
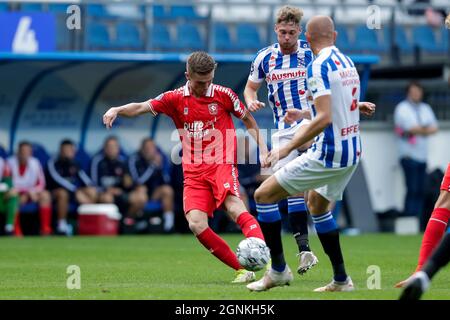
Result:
{"points": [[276, 154], [263, 160], [255, 105], [109, 117], [292, 115], [367, 108], [447, 21]]}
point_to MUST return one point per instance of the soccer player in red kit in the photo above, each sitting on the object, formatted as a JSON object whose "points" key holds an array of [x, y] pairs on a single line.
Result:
{"points": [[436, 226], [201, 111]]}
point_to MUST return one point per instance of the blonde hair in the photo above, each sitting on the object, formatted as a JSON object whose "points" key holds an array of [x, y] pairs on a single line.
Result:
{"points": [[289, 14], [201, 63]]}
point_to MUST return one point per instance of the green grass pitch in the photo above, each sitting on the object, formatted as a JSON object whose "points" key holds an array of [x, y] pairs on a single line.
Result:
{"points": [[178, 267]]}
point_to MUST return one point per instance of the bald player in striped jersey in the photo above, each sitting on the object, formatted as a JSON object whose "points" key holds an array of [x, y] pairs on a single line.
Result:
{"points": [[327, 167]]}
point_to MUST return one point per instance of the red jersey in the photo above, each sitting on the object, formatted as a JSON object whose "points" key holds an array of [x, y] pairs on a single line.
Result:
{"points": [[205, 125]]}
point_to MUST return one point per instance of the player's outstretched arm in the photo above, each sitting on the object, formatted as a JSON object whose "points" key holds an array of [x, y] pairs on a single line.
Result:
{"points": [[308, 132], [129, 110], [251, 96]]}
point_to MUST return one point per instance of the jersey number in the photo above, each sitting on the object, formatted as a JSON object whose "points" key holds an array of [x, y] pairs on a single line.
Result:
{"points": [[354, 105]]}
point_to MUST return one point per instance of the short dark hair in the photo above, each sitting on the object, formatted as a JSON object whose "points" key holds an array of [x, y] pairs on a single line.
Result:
{"points": [[413, 83], [67, 142], [201, 63], [25, 143]]}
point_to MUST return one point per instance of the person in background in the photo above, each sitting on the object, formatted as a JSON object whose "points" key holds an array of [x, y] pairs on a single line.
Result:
{"points": [[9, 200], [146, 169], [414, 122], [68, 183], [29, 181], [109, 173]]}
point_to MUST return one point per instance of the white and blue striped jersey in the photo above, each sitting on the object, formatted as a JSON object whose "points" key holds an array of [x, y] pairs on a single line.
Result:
{"points": [[285, 76], [333, 73]]}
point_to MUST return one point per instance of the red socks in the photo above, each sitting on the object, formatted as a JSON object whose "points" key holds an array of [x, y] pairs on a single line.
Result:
{"points": [[45, 215], [249, 226], [433, 234], [219, 248]]}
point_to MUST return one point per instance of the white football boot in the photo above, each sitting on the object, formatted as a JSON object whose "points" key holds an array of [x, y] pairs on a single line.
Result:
{"points": [[306, 260], [335, 286], [272, 279]]}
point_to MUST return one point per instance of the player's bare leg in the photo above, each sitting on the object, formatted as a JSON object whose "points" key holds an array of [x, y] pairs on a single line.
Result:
{"points": [[328, 233], [198, 223]]}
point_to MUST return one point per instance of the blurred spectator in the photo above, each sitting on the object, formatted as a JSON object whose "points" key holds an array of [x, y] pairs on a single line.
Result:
{"points": [[69, 184], [146, 168], [414, 123], [29, 181], [109, 173], [9, 200]]}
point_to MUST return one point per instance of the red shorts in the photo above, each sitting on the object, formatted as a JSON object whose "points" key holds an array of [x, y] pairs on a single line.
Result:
{"points": [[446, 181], [207, 192]]}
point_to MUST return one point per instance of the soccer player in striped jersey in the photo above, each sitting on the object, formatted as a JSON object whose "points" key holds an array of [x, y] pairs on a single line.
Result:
{"points": [[326, 168], [283, 67]]}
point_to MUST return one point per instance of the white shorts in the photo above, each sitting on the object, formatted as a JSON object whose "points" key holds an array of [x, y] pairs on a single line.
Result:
{"points": [[281, 138], [304, 173]]}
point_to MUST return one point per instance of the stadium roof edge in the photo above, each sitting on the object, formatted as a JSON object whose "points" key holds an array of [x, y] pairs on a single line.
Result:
{"points": [[146, 57]]}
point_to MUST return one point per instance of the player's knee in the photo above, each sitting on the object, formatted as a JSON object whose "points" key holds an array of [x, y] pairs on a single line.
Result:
{"points": [[443, 200], [262, 195], [197, 226]]}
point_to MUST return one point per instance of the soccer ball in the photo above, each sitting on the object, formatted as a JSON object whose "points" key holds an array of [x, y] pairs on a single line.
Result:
{"points": [[253, 254]]}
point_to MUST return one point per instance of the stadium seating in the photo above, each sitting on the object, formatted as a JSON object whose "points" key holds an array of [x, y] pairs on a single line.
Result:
{"points": [[58, 8], [189, 37], [4, 7], [222, 37], [96, 11], [160, 12], [401, 39], [83, 159], [160, 38], [187, 12], [342, 40], [247, 37], [98, 36], [127, 36], [366, 40], [40, 153], [424, 39]]}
